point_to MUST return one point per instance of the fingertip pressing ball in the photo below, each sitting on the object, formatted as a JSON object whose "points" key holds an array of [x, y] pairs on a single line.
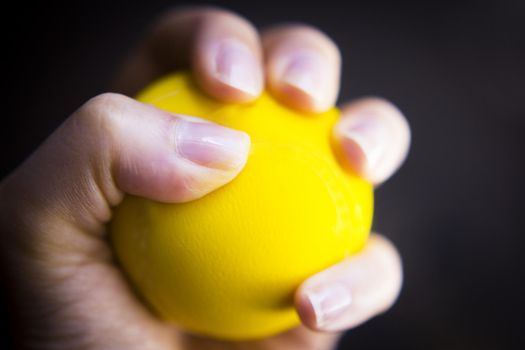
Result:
{"points": [[227, 265]]}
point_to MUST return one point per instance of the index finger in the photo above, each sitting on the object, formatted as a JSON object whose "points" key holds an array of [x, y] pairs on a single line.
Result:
{"points": [[221, 48]]}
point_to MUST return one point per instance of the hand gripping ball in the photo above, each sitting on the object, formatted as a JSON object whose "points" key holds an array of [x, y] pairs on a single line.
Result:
{"points": [[227, 265]]}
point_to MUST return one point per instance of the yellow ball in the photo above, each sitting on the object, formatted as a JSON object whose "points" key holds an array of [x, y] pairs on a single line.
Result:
{"points": [[227, 265]]}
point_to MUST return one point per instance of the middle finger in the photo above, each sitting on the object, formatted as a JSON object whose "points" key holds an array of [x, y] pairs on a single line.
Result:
{"points": [[303, 67]]}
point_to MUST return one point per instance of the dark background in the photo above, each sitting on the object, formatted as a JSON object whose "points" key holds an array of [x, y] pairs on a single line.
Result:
{"points": [[457, 70]]}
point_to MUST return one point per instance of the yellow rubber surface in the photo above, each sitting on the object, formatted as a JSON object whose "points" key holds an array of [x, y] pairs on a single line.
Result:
{"points": [[227, 265]]}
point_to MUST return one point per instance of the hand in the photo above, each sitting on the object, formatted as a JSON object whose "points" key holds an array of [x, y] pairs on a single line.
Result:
{"points": [[65, 288]]}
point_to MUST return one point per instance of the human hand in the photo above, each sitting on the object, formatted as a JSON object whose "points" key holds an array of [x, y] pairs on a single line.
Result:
{"points": [[66, 289]]}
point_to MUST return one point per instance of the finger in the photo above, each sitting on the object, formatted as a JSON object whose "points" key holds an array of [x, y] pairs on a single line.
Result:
{"points": [[221, 47], [374, 138], [302, 66], [351, 292], [160, 156], [114, 145], [54, 208]]}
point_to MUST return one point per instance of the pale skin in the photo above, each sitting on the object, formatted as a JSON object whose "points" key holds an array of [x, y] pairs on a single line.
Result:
{"points": [[67, 292]]}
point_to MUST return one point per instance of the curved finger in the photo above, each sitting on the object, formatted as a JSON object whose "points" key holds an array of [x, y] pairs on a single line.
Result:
{"points": [[374, 138], [114, 145], [222, 48], [158, 155], [55, 206], [353, 291], [303, 67]]}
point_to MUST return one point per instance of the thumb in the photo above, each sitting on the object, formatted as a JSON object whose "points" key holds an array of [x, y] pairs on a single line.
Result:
{"points": [[54, 207], [114, 145], [160, 156]]}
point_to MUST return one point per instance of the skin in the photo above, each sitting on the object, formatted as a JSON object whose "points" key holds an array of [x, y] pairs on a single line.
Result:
{"points": [[66, 291]]}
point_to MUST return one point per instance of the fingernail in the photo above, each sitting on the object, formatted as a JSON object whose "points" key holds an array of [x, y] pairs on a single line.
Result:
{"points": [[306, 71], [329, 302], [235, 65], [212, 145], [369, 133]]}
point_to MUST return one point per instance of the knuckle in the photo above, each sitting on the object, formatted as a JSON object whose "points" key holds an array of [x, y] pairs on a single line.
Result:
{"points": [[204, 14], [388, 261], [216, 12], [100, 114], [303, 34], [178, 13], [193, 11], [375, 104], [227, 20], [199, 23], [386, 250], [308, 30], [103, 102], [378, 102]]}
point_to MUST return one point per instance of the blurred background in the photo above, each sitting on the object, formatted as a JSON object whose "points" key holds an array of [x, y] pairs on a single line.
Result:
{"points": [[456, 69]]}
